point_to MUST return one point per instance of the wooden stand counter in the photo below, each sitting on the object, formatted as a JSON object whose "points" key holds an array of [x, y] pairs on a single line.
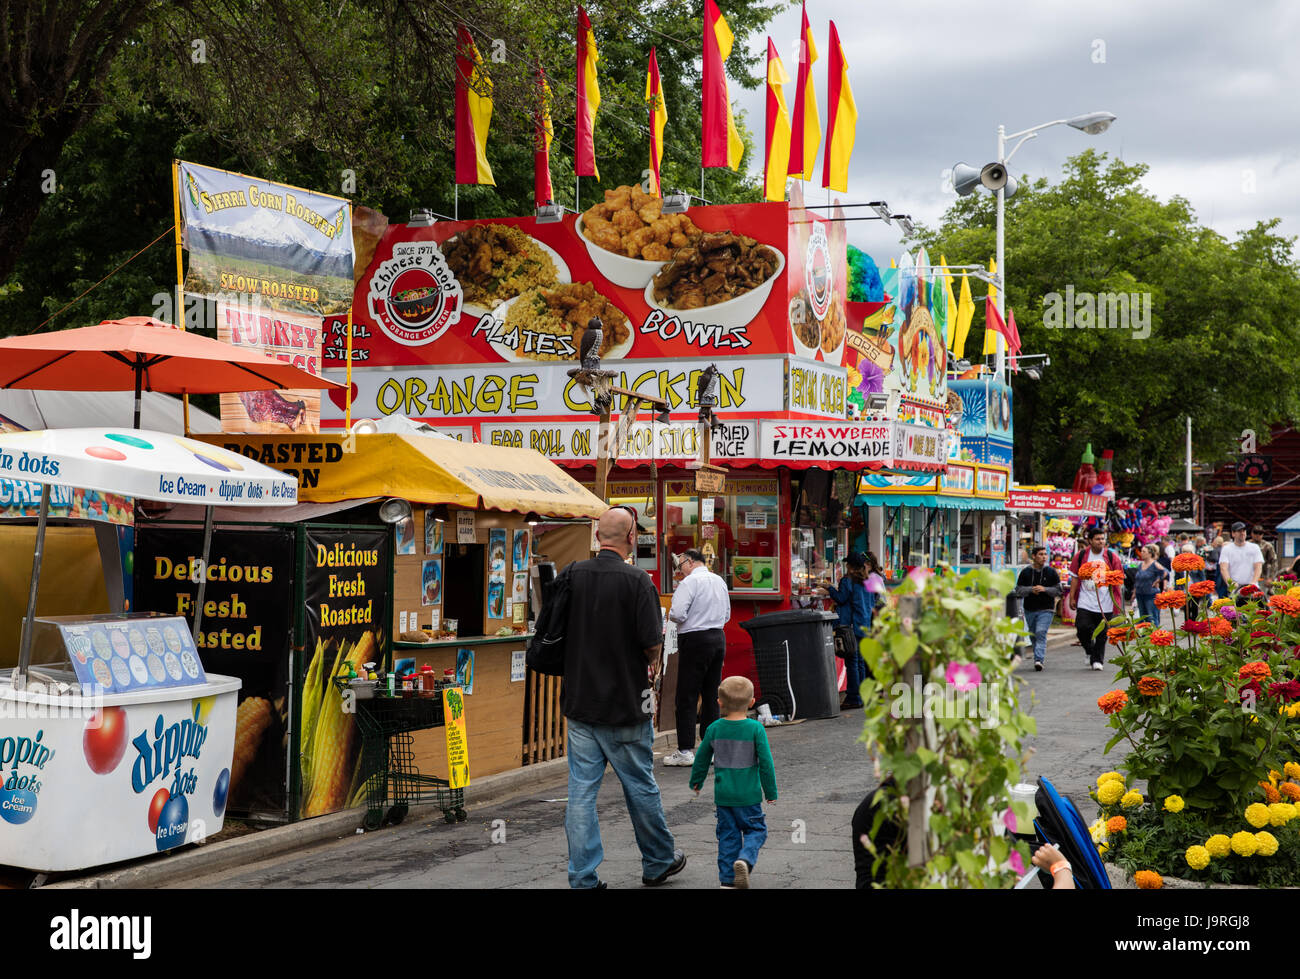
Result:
{"points": [[494, 712]]}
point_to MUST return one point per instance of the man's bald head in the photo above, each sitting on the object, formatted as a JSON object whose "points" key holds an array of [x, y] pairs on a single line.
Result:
{"points": [[614, 528]]}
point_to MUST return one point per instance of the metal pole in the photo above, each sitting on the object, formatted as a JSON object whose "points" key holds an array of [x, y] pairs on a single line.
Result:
{"points": [[456, 201], [25, 646], [203, 572], [139, 378], [1187, 480], [1000, 357]]}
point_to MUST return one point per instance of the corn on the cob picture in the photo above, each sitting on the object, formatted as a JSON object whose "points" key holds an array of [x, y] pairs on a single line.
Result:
{"points": [[251, 723], [329, 735]]}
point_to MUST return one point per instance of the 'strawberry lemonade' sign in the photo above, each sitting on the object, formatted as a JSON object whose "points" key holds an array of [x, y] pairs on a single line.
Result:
{"points": [[849, 442], [24, 758]]}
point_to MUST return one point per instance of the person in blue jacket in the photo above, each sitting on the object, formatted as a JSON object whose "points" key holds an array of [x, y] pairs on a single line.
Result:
{"points": [[855, 605]]}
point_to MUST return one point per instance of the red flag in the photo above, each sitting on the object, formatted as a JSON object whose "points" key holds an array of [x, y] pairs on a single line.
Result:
{"points": [[654, 97], [1014, 334], [993, 321], [584, 156], [720, 142], [473, 112], [805, 126], [542, 192]]}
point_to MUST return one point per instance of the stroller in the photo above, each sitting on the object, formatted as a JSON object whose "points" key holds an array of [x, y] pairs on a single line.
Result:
{"points": [[1060, 824]]}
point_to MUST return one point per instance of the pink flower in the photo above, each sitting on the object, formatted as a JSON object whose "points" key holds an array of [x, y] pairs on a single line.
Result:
{"points": [[918, 576], [1017, 862], [1228, 612], [1009, 820], [875, 583], [963, 676]]}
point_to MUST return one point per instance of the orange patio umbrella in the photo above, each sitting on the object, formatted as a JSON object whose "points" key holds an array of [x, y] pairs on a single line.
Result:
{"points": [[140, 353]]}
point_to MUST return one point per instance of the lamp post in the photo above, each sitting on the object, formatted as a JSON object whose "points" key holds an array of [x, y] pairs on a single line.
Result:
{"points": [[1092, 123]]}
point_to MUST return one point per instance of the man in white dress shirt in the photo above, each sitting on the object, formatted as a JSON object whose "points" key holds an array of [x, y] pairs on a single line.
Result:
{"points": [[701, 607]]}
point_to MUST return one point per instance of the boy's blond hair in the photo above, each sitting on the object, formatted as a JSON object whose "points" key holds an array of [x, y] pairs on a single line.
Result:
{"points": [[735, 692]]}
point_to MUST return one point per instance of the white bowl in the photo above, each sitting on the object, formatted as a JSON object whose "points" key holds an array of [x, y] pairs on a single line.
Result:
{"points": [[732, 313], [630, 273]]}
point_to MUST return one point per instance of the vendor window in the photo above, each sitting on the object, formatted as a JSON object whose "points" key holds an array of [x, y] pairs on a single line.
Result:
{"points": [[820, 535], [736, 530], [640, 497], [463, 588]]}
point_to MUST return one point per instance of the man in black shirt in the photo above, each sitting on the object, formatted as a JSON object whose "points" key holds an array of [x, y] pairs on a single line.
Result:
{"points": [[1040, 586], [612, 644]]}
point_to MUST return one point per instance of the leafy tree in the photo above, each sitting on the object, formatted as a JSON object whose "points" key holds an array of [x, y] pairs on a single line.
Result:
{"points": [[1223, 324]]}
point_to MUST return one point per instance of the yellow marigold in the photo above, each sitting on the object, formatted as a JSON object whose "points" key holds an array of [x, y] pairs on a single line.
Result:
{"points": [[1198, 857], [1220, 602], [1110, 793], [1290, 790], [1267, 844], [1116, 824], [1130, 799], [1274, 776], [1148, 880], [1291, 769], [1219, 845], [1257, 815], [1244, 844], [1105, 777], [1174, 803], [1271, 795], [1280, 813], [1293, 591]]}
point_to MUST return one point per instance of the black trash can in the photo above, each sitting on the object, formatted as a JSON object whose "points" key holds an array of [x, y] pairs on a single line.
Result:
{"points": [[794, 656]]}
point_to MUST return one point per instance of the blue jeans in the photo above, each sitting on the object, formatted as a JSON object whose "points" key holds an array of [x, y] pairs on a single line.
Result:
{"points": [[630, 751], [1147, 609], [1039, 622], [741, 831], [855, 668]]}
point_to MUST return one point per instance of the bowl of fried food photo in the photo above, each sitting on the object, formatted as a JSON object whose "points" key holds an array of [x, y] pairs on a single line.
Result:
{"points": [[719, 277], [628, 236]]}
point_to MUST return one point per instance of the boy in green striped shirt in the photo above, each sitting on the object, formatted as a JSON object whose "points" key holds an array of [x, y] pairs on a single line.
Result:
{"points": [[743, 776]]}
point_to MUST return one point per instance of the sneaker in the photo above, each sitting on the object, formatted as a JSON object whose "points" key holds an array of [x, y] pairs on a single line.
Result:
{"points": [[1038, 666], [680, 759], [679, 864], [1097, 667], [742, 875]]}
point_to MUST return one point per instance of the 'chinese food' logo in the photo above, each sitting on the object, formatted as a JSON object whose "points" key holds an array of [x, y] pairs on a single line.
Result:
{"points": [[818, 275], [414, 297]]}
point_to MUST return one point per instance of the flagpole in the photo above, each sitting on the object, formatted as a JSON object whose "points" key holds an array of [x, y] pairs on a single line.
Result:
{"points": [[180, 276], [455, 212], [576, 182]]}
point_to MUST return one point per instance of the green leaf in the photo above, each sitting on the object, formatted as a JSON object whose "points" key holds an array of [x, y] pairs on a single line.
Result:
{"points": [[902, 647], [969, 862]]}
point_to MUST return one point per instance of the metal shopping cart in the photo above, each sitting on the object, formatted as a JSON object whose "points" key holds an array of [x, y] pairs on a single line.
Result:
{"points": [[388, 760]]}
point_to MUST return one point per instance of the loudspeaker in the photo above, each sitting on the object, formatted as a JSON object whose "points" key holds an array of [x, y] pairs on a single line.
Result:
{"points": [[965, 179], [994, 176]]}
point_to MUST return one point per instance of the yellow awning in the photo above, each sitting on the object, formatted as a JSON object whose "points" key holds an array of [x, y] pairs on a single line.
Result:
{"points": [[332, 467]]}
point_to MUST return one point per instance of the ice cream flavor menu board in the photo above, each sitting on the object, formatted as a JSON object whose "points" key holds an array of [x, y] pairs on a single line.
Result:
{"points": [[133, 654]]}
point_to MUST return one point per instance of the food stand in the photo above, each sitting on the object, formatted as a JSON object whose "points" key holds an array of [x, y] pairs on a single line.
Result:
{"points": [[481, 349], [1034, 509], [456, 574], [115, 714]]}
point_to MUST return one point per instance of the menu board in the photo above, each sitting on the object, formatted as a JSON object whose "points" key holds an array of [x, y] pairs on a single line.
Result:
{"points": [[133, 654]]}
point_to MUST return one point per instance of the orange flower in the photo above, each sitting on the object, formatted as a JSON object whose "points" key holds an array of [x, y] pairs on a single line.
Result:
{"points": [[1290, 790], [1162, 637], [1119, 635], [1114, 578], [1115, 700], [1255, 671], [1151, 686], [1171, 599], [1144, 626], [1285, 604], [1271, 795], [1116, 824], [1220, 627], [1200, 589], [1189, 562], [1090, 568], [1148, 880]]}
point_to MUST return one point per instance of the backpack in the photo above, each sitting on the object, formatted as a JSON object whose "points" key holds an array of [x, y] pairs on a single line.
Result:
{"points": [[545, 652]]}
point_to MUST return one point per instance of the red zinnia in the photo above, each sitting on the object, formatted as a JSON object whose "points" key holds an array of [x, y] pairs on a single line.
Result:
{"points": [[1151, 686], [1110, 703], [1171, 599], [1248, 591], [1254, 671], [1196, 628], [1162, 637], [1253, 688], [1286, 577], [1286, 691]]}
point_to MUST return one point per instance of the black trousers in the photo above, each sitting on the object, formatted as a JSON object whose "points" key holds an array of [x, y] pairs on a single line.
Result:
{"points": [[1084, 624], [699, 671]]}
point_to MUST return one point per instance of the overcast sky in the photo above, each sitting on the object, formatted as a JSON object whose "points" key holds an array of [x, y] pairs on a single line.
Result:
{"points": [[1206, 93]]}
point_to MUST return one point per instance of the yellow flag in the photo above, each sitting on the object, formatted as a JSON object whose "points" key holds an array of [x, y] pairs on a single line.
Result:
{"points": [[735, 145], [965, 313], [950, 327], [990, 335]]}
